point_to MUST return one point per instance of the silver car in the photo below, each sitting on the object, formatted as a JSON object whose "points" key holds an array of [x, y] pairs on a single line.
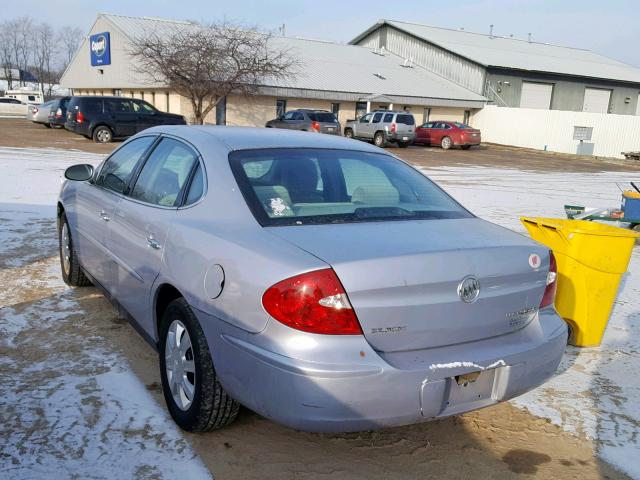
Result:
{"points": [[40, 113], [320, 282], [318, 121], [382, 127]]}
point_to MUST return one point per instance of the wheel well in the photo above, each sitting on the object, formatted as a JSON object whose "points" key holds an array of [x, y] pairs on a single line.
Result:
{"points": [[379, 131], [101, 125], [166, 294]]}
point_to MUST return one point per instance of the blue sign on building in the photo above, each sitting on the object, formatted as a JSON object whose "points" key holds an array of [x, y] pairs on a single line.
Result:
{"points": [[100, 48]]}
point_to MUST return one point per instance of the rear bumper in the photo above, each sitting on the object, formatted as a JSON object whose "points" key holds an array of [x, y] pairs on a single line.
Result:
{"points": [[468, 141], [400, 137], [372, 391]]}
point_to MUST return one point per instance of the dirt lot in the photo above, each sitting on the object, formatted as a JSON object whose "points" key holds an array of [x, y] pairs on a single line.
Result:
{"points": [[62, 330], [22, 133]]}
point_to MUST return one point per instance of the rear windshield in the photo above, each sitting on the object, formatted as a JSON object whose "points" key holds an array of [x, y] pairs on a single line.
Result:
{"points": [[326, 117], [461, 125], [406, 119], [313, 186]]}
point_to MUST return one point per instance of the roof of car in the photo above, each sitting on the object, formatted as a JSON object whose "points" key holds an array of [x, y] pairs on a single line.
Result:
{"points": [[248, 138], [391, 111]]}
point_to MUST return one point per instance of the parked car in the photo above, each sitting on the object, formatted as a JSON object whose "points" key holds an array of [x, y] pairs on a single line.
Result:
{"points": [[105, 118], [58, 112], [447, 134], [320, 121], [13, 107], [383, 126], [318, 281], [40, 113]]}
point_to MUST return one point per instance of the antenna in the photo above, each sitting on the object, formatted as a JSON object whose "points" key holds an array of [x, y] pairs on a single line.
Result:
{"points": [[491, 31], [529, 37]]}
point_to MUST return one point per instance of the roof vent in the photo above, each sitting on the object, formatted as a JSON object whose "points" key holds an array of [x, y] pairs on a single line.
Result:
{"points": [[408, 62], [529, 37], [379, 52], [380, 76]]}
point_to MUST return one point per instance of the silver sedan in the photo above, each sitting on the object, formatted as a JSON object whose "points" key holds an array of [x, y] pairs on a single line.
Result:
{"points": [[320, 282]]}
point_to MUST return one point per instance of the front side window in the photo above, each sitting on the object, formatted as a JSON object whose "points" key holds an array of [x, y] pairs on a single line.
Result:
{"points": [[142, 107], [165, 173], [377, 117], [289, 116], [118, 169], [366, 118], [118, 106], [312, 186]]}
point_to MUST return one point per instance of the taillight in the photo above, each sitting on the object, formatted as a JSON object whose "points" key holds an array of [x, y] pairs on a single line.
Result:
{"points": [[58, 113], [34, 110], [315, 126], [79, 117], [314, 302], [552, 283], [393, 128]]}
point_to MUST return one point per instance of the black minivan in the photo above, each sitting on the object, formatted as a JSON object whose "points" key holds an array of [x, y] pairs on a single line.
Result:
{"points": [[105, 118]]}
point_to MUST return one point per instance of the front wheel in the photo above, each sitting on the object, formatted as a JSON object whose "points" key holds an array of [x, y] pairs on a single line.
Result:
{"points": [[446, 143], [348, 133], [72, 274], [378, 139], [102, 134], [194, 396]]}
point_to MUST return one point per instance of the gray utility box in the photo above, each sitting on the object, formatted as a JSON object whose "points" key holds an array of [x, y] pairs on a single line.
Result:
{"points": [[583, 135]]}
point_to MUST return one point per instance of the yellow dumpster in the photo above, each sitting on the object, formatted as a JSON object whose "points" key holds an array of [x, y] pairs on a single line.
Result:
{"points": [[591, 258]]}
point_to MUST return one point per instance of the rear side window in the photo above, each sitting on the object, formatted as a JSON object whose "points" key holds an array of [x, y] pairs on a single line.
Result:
{"points": [[405, 119], [165, 173], [118, 169], [196, 188], [91, 106], [118, 106]]}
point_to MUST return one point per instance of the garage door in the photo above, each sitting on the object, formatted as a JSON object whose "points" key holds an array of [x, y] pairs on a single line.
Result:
{"points": [[596, 100], [536, 95]]}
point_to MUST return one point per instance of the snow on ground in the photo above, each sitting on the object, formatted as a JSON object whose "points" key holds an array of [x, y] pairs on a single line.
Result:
{"points": [[70, 407], [596, 392]]}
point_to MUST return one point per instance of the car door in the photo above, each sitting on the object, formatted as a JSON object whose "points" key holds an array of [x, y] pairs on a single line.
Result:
{"points": [[123, 119], [436, 133], [142, 221], [362, 127], [146, 115], [422, 133], [375, 124], [96, 202]]}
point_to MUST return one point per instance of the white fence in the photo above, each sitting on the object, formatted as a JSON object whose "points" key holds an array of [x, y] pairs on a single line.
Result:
{"points": [[553, 129]]}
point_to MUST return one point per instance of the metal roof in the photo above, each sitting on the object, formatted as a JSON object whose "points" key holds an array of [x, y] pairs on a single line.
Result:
{"points": [[334, 67], [513, 53]]}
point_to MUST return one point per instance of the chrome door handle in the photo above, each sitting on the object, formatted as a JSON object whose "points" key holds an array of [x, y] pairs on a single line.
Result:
{"points": [[104, 216], [153, 243]]}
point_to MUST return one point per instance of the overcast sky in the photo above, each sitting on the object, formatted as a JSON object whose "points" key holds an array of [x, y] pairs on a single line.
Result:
{"points": [[608, 27]]}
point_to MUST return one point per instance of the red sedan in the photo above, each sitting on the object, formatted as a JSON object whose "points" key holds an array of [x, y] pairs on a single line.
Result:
{"points": [[447, 134]]}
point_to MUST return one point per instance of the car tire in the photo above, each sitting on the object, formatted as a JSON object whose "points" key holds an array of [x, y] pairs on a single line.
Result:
{"points": [[378, 139], [348, 133], [72, 273], [48, 125], [465, 147], [403, 144], [210, 407], [446, 143], [102, 134]]}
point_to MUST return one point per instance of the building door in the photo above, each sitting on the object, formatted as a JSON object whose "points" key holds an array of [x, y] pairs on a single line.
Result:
{"points": [[425, 115], [281, 108], [467, 115], [361, 109], [596, 100], [536, 95], [221, 112]]}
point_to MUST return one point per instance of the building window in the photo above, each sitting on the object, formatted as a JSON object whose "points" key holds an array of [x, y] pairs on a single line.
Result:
{"points": [[361, 109], [221, 112], [335, 108], [425, 115], [117, 92], [142, 95], [407, 108], [467, 115], [281, 108], [167, 99], [153, 98]]}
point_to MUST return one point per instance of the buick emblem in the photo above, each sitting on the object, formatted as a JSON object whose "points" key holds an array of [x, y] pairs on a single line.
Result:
{"points": [[469, 289]]}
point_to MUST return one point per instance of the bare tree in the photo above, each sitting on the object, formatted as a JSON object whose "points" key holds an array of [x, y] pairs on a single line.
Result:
{"points": [[19, 36], [69, 39], [44, 51], [207, 63], [6, 53]]}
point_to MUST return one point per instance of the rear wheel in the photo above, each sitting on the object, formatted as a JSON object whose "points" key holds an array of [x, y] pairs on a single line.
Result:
{"points": [[196, 400], [48, 125], [378, 139], [348, 133], [446, 143], [72, 274], [466, 147], [102, 134]]}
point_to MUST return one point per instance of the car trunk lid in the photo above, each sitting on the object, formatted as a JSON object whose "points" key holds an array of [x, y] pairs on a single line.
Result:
{"points": [[403, 278]]}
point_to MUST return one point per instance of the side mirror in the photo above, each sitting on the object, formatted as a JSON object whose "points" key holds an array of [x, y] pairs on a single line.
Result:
{"points": [[79, 173]]}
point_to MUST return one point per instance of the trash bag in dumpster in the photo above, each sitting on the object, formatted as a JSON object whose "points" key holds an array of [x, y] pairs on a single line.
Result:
{"points": [[591, 258]]}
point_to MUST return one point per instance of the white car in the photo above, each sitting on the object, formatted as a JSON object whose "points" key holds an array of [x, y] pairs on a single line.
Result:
{"points": [[13, 107]]}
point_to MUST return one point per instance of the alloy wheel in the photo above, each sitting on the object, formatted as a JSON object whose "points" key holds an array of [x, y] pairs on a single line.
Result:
{"points": [[179, 365], [65, 245]]}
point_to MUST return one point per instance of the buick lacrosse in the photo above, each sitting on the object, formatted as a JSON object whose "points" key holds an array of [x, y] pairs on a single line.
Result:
{"points": [[319, 281]]}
